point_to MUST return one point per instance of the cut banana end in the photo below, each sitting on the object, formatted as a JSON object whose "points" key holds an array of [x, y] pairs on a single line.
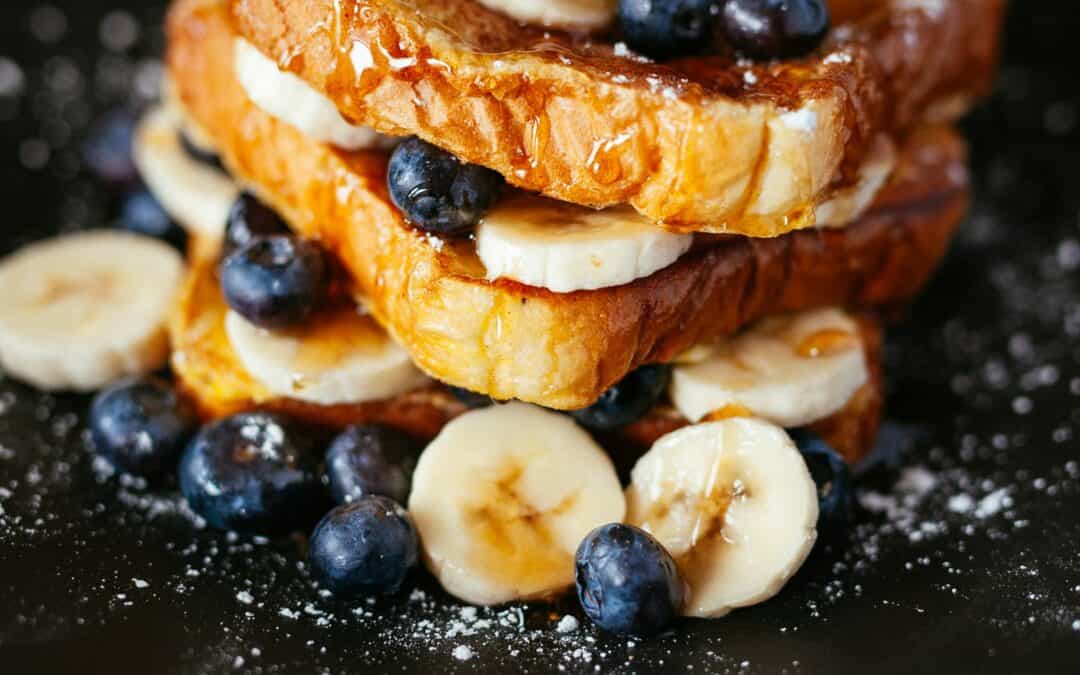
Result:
{"points": [[196, 195], [82, 310], [792, 370], [503, 497], [343, 357], [558, 13], [734, 504], [285, 96], [565, 248], [848, 204]]}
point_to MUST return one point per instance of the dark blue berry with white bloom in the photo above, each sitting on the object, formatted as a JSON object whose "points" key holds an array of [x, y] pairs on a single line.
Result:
{"points": [[276, 282], [436, 191], [143, 214], [627, 582], [628, 401], [666, 29], [832, 477], [365, 547], [774, 29], [253, 472], [141, 425], [371, 459]]}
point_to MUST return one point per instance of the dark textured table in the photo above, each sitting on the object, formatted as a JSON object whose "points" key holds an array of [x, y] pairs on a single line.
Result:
{"points": [[965, 556]]}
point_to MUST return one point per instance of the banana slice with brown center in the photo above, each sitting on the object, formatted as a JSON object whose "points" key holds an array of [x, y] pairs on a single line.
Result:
{"points": [[734, 504], [503, 497]]}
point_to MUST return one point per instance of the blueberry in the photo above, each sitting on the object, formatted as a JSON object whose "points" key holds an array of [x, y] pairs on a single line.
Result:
{"points": [[626, 582], [366, 547], [107, 150], [470, 398], [665, 29], [628, 401], [436, 191], [252, 472], [832, 476], [249, 219], [143, 214], [774, 29], [371, 460], [199, 154], [140, 425], [276, 282]]}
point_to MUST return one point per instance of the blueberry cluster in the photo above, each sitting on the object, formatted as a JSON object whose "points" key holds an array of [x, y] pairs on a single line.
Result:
{"points": [[262, 473], [758, 29]]}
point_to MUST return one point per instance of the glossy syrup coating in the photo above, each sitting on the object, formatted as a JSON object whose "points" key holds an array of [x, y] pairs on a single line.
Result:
{"points": [[704, 143]]}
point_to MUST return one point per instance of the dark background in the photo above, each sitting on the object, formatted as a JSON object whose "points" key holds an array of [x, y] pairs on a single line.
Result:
{"points": [[985, 396]]}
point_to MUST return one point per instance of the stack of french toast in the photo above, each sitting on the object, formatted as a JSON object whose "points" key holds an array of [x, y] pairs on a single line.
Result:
{"points": [[527, 232]]}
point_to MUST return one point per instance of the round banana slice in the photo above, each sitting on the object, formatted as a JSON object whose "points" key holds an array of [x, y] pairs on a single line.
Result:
{"points": [[82, 310], [792, 370], [558, 13], [734, 504], [565, 248], [344, 357], [285, 96], [196, 195], [503, 497]]}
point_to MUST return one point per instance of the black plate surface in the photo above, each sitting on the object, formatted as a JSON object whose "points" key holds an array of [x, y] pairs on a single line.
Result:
{"points": [[965, 558]]}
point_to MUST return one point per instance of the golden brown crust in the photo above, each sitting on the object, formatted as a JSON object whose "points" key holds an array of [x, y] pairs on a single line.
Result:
{"points": [[561, 351], [698, 144], [210, 373]]}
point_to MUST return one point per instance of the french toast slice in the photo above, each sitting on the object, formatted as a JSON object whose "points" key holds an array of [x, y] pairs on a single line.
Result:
{"points": [[699, 144], [209, 371], [563, 351]]}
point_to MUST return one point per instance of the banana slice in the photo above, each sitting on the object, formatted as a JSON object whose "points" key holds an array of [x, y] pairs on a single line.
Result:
{"points": [[848, 204], [565, 248], [734, 504], [792, 370], [558, 13], [293, 101], [344, 357], [82, 310], [503, 497], [196, 195]]}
